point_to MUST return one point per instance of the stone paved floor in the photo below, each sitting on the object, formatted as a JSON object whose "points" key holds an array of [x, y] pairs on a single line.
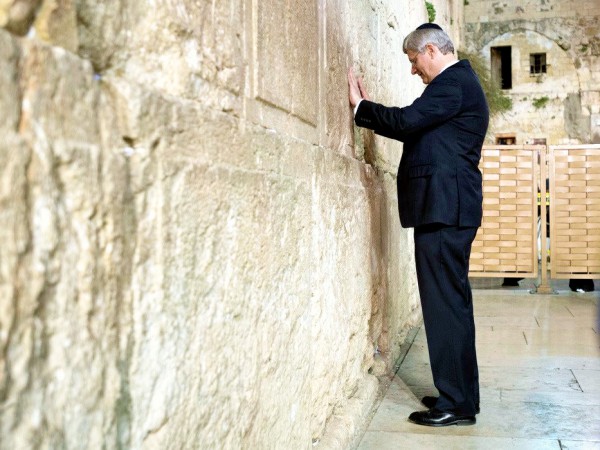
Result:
{"points": [[539, 377]]}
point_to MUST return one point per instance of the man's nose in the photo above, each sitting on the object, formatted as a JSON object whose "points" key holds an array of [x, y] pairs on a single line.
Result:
{"points": [[413, 70]]}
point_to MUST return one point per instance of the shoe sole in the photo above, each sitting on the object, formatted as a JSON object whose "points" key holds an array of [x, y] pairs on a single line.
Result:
{"points": [[464, 423], [460, 423]]}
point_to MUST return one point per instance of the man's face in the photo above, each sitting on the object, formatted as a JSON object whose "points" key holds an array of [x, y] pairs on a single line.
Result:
{"points": [[419, 65]]}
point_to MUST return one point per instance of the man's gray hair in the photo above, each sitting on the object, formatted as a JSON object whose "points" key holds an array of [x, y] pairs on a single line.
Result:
{"points": [[418, 39]]}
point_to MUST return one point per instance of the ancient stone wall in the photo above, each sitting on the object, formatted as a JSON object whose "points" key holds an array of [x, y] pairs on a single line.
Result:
{"points": [[561, 106], [197, 248]]}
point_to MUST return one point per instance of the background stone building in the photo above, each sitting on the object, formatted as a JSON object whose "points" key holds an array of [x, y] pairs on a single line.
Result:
{"points": [[546, 56], [197, 248]]}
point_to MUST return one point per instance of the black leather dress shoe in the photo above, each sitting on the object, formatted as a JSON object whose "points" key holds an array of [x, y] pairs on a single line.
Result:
{"points": [[430, 401], [434, 418]]}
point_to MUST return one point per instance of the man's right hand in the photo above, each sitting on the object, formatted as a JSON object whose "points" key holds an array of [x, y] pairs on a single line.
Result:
{"points": [[356, 89]]}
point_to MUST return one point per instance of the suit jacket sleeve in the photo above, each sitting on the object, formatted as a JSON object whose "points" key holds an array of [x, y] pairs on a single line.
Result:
{"points": [[439, 102]]}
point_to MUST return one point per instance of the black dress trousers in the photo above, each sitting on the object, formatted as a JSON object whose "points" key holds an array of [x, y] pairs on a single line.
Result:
{"points": [[442, 255]]}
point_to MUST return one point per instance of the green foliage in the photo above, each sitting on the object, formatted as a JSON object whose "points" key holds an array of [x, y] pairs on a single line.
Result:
{"points": [[466, 2], [430, 11], [497, 101], [540, 102]]}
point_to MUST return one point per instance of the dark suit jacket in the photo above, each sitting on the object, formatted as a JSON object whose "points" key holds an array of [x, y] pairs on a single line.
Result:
{"points": [[443, 130]]}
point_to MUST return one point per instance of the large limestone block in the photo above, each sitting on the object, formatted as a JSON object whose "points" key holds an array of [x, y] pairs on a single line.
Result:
{"points": [[186, 48], [347, 39], [402, 305], [60, 382], [217, 297], [342, 233], [253, 385], [287, 57]]}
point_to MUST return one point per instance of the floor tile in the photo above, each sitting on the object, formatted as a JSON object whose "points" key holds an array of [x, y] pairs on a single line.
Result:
{"points": [[564, 355], [582, 336], [579, 445], [589, 380], [511, 335], [540, 420], [575, 398], [517, 321], [381, 440], [528, 379]]}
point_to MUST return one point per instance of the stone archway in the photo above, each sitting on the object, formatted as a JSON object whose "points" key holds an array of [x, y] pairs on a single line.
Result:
{"points": [[565, 32], [544, 105], [563, 117]]}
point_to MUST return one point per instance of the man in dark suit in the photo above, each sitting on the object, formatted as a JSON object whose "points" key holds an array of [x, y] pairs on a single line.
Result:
{"points": [[440, 195]]}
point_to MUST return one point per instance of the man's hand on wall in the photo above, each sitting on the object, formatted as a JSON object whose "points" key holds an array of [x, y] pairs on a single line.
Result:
{"points": [[356, 88]]}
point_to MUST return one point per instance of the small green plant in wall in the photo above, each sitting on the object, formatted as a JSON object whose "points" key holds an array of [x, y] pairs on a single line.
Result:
{"points": [[430, 11], [540, 102]]}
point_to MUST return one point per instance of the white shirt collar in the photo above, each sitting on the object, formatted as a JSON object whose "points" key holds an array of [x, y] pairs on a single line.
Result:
{"points": [[448, 65]]}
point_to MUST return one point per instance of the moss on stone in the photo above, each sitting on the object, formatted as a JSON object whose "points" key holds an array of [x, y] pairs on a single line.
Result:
{"points": [[540, 102]]}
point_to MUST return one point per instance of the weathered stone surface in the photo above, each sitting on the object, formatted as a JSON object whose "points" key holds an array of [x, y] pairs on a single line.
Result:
{"points": [[196, 252], [198, 43], [287, 57], [10, 95], [18, 15], [559, 83], [56, 24], [14, 210], [59, 377], [567, 33], [101, 30]]}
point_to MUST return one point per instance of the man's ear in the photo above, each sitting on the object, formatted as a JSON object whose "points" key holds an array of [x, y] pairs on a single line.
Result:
{"points": [[431, 50]]}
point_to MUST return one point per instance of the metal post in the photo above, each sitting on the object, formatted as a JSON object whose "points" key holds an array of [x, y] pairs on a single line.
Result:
{"points": [[544, 286]]}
